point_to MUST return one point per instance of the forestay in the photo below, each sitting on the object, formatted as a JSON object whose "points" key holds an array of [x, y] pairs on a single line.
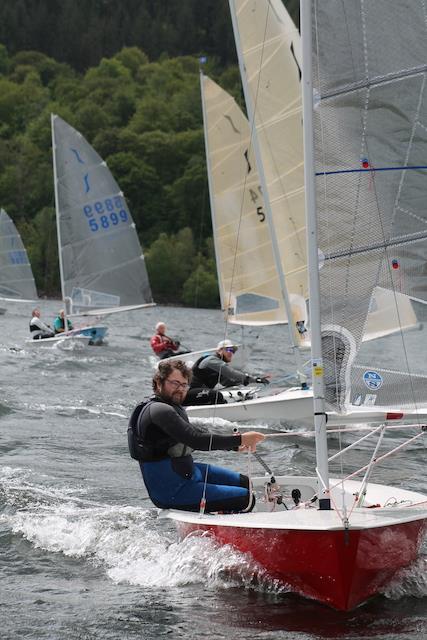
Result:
{"points": [[370, 122], [16, 276], [102, 265]]}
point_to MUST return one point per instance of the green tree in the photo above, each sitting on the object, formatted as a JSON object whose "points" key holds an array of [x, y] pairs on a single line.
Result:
{"points": [[169, 262], [201, 288]]}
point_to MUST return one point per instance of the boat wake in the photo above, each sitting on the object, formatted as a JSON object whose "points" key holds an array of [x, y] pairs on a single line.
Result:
{"points": [[133, 545]]}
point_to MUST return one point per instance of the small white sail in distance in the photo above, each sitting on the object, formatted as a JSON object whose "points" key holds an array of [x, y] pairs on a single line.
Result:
{"points": [[16, 276], [102, 266]]}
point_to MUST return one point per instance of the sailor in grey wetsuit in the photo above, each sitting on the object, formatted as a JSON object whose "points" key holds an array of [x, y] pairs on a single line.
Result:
{"points": [[162, 439], [213, 369]]}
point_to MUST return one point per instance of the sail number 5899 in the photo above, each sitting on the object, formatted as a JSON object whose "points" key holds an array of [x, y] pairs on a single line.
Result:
{"points": [[110, 213]]}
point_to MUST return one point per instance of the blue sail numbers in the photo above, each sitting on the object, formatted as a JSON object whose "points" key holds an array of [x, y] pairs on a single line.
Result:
{"points": [[103, 214]]}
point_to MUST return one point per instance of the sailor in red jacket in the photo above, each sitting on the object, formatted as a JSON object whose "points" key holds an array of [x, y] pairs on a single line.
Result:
{"points": [[162, 345]]}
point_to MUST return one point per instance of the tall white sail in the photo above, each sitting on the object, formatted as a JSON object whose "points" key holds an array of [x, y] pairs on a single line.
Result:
{"points": [[370, 155], [101, 260], [16, 276], [269, 45], [247, 274]]}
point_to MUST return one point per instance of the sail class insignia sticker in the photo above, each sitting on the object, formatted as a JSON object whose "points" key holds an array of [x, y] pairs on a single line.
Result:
{"points": [[372, 380]]}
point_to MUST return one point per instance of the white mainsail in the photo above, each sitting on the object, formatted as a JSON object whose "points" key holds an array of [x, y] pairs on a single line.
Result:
{"points": [[101, 261], [370, 121], [269, 47], [16, 276]]}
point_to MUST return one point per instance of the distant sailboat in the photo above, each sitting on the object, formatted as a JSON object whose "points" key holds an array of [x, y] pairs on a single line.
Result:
{"points": [[16, 276], [101, 262]]}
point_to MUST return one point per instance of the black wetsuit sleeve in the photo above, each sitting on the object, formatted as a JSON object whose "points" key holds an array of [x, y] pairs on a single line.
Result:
{"points": [[164, 416]]}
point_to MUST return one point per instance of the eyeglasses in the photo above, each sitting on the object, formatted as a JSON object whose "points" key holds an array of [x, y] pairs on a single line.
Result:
{"points": [[178, 385], [230, 349]]}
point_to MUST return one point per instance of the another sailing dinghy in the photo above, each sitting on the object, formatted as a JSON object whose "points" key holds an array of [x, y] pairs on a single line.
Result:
{"points": [[16, 276], [101, 262], [340, 541], [249, 276]]}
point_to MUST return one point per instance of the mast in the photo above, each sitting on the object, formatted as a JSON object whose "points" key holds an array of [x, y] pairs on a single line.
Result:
{"points": [[58, 227], [211, 190], [313, 260], [269, 214]]}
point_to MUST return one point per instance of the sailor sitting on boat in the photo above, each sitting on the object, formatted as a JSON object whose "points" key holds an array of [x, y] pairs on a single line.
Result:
{"points": [[164, 346], [162, 439], [213, 369], [38, 328], [59, 323]]}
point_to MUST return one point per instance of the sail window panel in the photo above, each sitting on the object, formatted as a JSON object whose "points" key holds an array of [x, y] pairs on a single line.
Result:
{"points": [[346, 285], [251, 303]]}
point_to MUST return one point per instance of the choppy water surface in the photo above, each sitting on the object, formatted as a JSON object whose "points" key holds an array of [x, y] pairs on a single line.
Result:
{"points": [[82, 552]]}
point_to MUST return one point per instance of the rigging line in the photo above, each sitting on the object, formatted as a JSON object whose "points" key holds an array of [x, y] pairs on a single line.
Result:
{"points": [[202, 221], [304, 434], [370, 170], [383, 457], [202, 505]]}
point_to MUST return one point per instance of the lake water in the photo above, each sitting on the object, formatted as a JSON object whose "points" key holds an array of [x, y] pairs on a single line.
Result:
{"points": [[82, 552]]}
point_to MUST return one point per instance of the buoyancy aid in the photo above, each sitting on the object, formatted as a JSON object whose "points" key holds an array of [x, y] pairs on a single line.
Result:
{"points": [[203, 377], [152, 445]]}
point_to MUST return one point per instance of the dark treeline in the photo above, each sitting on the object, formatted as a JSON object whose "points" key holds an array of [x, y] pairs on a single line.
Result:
{"points": [[81, 32], [125, 74]]}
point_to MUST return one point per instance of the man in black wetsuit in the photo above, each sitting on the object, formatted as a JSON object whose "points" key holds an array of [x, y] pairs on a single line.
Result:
{"points": [[162, 439], [215, 369]]}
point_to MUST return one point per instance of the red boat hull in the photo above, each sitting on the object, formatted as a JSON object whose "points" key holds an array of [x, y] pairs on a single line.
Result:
{"points": [[339, 568]]}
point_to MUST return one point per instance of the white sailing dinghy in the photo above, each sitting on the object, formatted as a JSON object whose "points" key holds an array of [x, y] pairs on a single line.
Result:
{"points": [[101, 262], [340, 541], [251, 279], [16, 276]]}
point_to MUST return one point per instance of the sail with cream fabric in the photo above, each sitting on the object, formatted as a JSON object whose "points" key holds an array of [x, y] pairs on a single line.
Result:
{"points": [[247, 275], [16, 276], [101, 261], [370, 121], [270, 47]]}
